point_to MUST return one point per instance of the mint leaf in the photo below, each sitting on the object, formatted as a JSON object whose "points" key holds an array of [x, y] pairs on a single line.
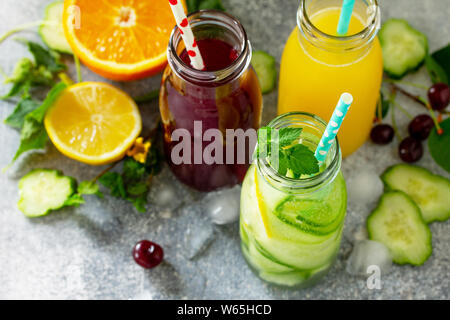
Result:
{"points": [[302, 160], [39, 113], [45, 57], [33, 137], [442, 57], [89, 188], [114, 182], [17, 118], [439, 145], [297, 159], [288, 136], [133, 170], [140, 203], [137, 189]]}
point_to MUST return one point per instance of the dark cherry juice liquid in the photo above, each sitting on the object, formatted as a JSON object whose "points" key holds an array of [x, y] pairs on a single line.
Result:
{"points": [[233, 105]]}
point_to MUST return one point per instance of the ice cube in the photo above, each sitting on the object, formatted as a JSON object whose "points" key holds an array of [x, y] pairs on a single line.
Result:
{"points": [[197, 239], [368, 253], [223, 206], [364, 188]]}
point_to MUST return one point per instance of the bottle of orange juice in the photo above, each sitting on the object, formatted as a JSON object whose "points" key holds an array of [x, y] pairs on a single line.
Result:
{"points": [[318, 65]]}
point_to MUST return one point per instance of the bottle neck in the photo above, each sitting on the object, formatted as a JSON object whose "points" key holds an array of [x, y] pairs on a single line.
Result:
{"points": [[211, 24], [337, 49], [313, 129]]}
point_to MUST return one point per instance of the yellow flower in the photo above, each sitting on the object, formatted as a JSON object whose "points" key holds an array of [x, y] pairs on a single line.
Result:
{"points": [[140, 149]]}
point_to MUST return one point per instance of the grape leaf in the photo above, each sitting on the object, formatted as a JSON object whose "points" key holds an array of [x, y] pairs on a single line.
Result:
{"points": [[439, 145]]}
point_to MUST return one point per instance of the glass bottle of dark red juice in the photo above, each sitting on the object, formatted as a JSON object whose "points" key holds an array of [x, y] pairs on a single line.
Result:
{"points": [[196, 105]]}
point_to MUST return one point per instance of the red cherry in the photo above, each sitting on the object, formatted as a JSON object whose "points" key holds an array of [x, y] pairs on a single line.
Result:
{"points": [[192, 53], [173, 2], [148, 254], [194, 44], [184, 23]]}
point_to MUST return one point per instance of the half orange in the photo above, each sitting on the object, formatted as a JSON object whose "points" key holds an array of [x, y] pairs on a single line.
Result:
{"points": [[120, 40]]}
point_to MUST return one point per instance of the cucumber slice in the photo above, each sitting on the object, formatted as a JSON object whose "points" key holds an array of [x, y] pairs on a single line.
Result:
{"points": [[398, 224], [52, 31], [404, 48], [265, 67], [42, 191], [429, 191]]}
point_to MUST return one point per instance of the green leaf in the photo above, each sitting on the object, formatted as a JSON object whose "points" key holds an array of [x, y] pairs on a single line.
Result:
{"points": [[384, 104], [288, 136], [195, 5], [89, 188], [39, 113], [140, 203], [33, 137], [439, 145], [437, 73], [154, 160], [137, 189], [17, 89], [133, 170], [17, 118], [74, 200], [442, 57], [114, 182], [302, 160], [45, 57]]}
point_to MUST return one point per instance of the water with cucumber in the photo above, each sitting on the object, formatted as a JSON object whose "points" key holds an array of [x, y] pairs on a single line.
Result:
{"points": [[291, 225]]}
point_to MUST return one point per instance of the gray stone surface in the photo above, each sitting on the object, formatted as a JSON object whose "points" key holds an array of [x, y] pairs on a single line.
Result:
{"points": [[85, 253]]}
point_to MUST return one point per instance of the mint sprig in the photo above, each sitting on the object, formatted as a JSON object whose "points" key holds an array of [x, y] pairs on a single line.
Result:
{"points": [[292, 156]]}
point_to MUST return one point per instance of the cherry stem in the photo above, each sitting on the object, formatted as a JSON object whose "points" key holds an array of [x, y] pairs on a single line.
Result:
{"points": [[403, 110], [394, 122], [417, 99], [407, 83], [424, 103]]}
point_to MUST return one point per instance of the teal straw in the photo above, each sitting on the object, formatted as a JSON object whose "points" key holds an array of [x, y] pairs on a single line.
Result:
{"points": [[346, 15], [333, 126]]}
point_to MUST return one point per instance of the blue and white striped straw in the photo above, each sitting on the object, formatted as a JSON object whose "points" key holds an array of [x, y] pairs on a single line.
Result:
{"points": [[333, 126], [346, 15]]}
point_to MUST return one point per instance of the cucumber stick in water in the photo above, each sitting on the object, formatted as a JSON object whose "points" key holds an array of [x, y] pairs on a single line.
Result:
{"points": [[397, 223], [404, 48], [429, 191], [51, 31], [43, 190]]}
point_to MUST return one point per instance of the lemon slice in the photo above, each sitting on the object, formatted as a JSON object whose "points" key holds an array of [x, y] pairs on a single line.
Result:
{"points": [[262, 206], [94, 123]]}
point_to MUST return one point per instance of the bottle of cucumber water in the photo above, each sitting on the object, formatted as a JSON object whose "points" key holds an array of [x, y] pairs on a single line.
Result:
{"points": [[291, 228]]}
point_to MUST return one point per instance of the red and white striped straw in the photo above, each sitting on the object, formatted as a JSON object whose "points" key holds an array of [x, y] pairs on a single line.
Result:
{"points": [[187, 34]]}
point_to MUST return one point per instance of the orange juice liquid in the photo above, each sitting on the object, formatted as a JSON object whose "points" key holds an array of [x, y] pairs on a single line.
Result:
{"points": [[312, 79]]}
